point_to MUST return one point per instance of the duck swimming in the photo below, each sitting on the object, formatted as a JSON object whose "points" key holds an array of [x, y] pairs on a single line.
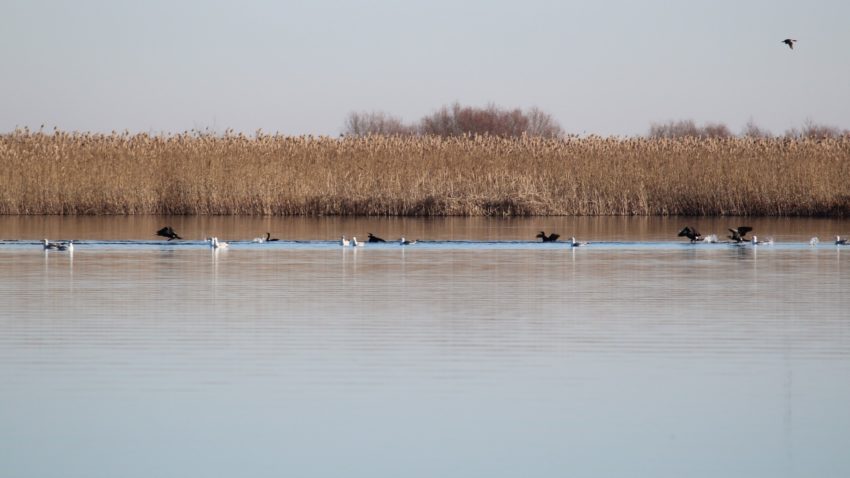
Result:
{"points": [[574, 243], [50, 245], [344, 242], [268, 238], [373, 238], [839, 241], [405, 242], [65, 246], [356, 243]]}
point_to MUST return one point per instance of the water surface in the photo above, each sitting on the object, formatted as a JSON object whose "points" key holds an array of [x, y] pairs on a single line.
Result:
{"points": [[475, 353]]}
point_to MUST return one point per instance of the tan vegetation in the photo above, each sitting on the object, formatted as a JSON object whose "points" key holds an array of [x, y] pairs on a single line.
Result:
{"points": [[196, 173]]}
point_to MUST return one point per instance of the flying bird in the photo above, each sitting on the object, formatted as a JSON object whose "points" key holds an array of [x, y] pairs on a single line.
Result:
{"points": [[550, 238], [690, 233], [739, 233], [789, 42], [168, 232]]}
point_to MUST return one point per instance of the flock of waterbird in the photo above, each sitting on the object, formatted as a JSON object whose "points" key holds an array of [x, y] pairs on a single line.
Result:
{"points": [[737, 235]]}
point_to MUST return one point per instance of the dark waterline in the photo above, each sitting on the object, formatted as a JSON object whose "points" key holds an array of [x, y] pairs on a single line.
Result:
{"points": [[607, 228]]}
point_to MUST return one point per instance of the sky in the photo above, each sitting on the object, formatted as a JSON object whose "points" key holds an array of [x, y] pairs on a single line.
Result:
{"points": [[301, 67]]}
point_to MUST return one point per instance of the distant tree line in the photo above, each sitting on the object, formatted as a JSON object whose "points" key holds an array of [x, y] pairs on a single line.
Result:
{"points": [[457, 120], [687, 128]]}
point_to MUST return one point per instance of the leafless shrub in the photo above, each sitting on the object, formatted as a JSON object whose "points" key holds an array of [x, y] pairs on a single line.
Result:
{"points": [[752, 130], [375, 122], [460, 120], [812, 130], [688, 129], [543, 124], [457, 120], [674, 129]]}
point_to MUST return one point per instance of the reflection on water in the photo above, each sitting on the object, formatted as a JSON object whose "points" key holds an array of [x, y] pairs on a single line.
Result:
{"points": [[444, 360]]}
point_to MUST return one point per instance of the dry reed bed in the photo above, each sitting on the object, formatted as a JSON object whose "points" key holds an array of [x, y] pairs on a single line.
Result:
{"points": [[81, 173]]}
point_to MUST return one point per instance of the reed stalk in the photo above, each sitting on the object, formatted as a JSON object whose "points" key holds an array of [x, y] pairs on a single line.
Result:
{"points": [[196, 173]]}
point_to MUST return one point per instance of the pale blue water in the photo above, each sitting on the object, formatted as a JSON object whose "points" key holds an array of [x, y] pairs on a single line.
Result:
{"points": [[497, 357]]}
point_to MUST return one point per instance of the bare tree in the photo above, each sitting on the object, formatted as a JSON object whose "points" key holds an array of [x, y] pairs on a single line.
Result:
{"points": [[376, 122], [674, 129], [443, 122], [687, 128], [752, 130], [814, 130], [459, 120], [543, 124], [715, 130]]}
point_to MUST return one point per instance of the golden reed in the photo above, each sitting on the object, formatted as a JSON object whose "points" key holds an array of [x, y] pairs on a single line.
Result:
{"points": [[196, 173]]}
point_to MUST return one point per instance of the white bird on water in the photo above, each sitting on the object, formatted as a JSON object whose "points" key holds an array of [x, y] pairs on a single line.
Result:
{"points": [[840, 242], [215, 244], [814, 241], [356, 243], [344, 242], [58, 246], [575, 243]]}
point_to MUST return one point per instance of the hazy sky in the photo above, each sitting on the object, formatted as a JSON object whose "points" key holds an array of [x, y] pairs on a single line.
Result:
{"points": [[607, 67]]}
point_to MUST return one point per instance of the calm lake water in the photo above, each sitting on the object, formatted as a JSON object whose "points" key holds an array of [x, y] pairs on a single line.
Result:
{"points": [[476, 352]]}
